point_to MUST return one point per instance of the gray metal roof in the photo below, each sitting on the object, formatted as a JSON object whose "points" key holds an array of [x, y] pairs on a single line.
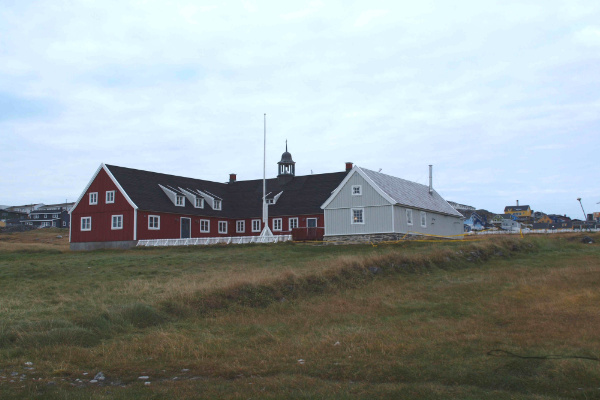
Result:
{"points": [[411, 194]]}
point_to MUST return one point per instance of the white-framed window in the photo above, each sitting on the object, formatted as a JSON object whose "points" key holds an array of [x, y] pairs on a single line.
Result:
{"points": [[240, 226], [256, 225], [293, 222], [217, 204], [269, 201], [86, 223], [54, 215], [36, 216], [204, 225], [117, 222], [423, 219], [64, 223], [180, 201], [277, 224], [199, 202], [93, 198], [356, 190], [222, 226], [409, 216], [154, 222], [110, 196], [358, 216]]}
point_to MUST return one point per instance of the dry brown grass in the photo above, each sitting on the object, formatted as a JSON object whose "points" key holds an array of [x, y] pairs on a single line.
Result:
{"points": [[35, 240], [422, 327]]}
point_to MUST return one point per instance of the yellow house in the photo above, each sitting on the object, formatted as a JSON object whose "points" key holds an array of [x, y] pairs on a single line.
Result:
{"points": [[518, 211], [545, 219]]}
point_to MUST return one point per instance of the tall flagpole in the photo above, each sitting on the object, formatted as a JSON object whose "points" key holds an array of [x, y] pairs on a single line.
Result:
{"points": [[266, 232], [265, 222]]}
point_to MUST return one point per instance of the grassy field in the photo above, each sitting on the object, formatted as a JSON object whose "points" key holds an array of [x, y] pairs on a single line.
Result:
{"points": [[503, 318]]}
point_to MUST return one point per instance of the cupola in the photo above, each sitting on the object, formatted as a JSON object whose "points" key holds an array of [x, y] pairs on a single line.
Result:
{"points": [[287, 167]]}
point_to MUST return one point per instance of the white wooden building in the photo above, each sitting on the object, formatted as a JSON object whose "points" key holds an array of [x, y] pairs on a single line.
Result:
{"points": [[369, 205]]}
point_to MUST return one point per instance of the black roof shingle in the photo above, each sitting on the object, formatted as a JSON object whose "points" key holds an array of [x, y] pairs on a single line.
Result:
{"points": [[303, 195]]}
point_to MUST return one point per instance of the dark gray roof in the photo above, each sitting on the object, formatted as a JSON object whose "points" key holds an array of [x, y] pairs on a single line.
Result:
{"points": [[303, 195], [516, 208], [411, 194]]}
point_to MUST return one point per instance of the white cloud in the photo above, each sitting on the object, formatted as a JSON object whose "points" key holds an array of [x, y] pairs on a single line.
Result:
{"points": [[588, 36], [368, 16]]}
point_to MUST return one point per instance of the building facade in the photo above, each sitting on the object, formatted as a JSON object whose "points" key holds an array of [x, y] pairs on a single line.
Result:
{"points": [[369, 205], [121, 206]]}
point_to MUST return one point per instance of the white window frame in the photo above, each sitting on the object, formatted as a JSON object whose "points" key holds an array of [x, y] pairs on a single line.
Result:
{"points": [[110, 196], [277, 224], [64, 223], [156, 218], [180, 200], [204, 222], [356, 190], [119, 220], [256, 224], [93, 198], [216, 204], [201, 201], [353, 220], [86, 224], [223, 227], [240, 226], [409, 216], [54, 215], [293, 223], [423, 219]]}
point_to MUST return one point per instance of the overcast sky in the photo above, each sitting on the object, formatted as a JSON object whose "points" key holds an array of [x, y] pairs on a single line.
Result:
{"points": [[503, 98]]}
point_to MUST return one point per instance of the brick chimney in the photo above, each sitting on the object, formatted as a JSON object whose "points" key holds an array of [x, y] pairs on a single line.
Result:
{"points": [[232, 178], [348, 166]]}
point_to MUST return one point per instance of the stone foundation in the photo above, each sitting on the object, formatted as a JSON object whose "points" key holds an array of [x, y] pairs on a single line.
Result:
{"points": [[103, 245], [378, 237], [366, 238]]}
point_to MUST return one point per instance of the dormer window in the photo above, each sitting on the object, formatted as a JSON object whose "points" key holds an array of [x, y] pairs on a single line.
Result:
{"points": [[269, 201], [180, 201], [199, 202], [217, 204]]}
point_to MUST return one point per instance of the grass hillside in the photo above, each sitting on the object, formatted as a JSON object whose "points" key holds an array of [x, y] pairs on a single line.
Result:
{"points": [[495, 319]]}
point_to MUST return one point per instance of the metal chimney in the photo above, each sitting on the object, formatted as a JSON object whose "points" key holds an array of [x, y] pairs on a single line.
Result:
{"points": [[517, 203], [430, 178]]}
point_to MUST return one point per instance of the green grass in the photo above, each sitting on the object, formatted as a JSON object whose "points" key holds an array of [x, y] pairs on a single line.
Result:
{"points": [[233, 322]]}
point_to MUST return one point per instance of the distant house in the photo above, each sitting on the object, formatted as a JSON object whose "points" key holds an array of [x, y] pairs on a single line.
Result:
{"points": [[369, 205], [46, 218], [518, 211], [6, 214], [461, 207], [544, 219], [27, 208], [474, 221], [509, 224], [553, 225]]}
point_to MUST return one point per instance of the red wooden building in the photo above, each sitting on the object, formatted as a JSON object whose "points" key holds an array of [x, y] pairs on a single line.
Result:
{"points": [[121, 206]]}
